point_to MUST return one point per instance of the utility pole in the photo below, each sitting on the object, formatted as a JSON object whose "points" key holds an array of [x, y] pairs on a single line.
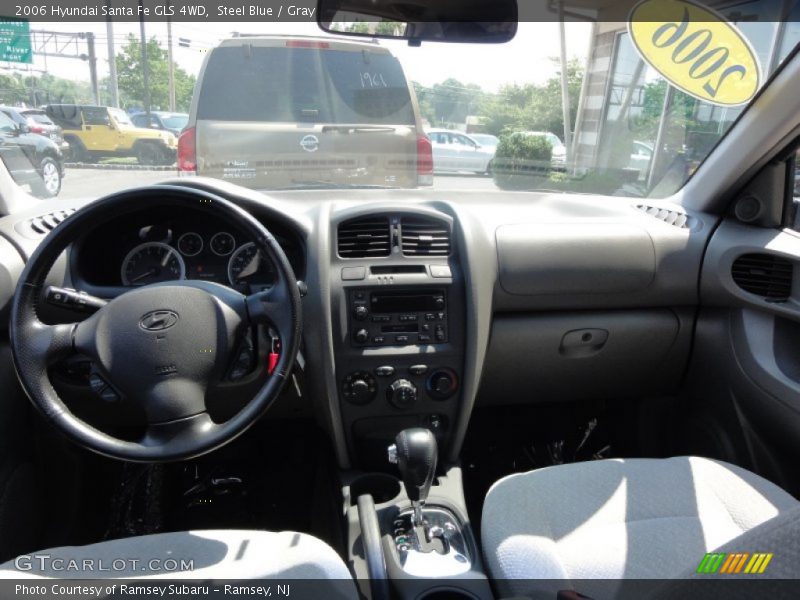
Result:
{"points": [[113, 87], [171, 70], [92, 66], [564, 85], [145, 67]]}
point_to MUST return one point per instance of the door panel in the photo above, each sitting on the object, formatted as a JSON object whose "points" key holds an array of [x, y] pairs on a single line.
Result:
{"points": [[746, 364]]}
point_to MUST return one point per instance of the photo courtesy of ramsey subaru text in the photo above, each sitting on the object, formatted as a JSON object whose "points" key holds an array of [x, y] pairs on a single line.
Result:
{"points": [[400, 299]]}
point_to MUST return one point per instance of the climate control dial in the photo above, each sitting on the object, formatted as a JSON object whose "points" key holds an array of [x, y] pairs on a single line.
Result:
{"points": [[402, 393], [359, 387]]}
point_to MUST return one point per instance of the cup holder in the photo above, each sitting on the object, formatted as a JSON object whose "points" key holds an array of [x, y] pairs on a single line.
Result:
{"points": [[380, 486]]}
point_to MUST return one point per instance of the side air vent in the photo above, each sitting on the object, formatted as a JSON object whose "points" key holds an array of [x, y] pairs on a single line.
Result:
{"points": [[764, 275], [671, 217], [421, 236], [364, 237], [44, 224]]}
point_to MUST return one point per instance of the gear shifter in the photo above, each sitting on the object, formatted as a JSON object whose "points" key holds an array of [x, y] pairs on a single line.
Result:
{"points": [[415, 453]]}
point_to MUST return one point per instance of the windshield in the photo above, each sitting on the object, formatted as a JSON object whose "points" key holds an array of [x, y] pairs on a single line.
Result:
{"points": [[175, 121], [271, 105]]}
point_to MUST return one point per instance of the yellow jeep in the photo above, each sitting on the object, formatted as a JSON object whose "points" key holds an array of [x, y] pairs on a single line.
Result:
{"points": [[96, 132]]}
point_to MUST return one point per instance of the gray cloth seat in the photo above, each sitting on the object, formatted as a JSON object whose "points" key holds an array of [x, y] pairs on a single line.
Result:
{"points": [[214, 554], [618, 519]]}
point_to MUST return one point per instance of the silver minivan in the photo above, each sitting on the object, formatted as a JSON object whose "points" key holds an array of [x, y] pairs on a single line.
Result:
{"points": [[278, 112]]}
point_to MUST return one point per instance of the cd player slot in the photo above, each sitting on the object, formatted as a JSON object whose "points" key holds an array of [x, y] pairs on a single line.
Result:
{"points": [[406, 328]]}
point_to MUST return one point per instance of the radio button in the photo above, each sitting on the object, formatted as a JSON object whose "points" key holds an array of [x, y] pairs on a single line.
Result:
{"points": [[378, 339], [360, 312], [418, 369], [381, 319], [386, 371], [424, 337], [401, 339], [361, 336], [430, 317]]}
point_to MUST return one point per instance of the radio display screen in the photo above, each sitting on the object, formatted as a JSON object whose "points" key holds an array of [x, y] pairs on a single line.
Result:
{"points": [[397, 302]]}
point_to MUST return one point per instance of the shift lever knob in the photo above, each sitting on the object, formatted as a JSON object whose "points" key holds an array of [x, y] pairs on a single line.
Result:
{"points": [[415, 452]]}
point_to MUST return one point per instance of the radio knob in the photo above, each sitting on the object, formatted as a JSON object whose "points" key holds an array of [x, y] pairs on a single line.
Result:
{"points": [[360, 312], [402, 393], [361, 336]]}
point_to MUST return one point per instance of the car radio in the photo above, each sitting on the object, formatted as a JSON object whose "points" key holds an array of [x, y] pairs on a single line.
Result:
{"points": [[397, 317]]}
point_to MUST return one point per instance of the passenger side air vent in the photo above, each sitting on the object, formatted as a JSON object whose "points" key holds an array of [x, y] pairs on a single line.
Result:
{"points": [[764, 275], [421, 236], [44, 224], [670, 217], [364, 237]]}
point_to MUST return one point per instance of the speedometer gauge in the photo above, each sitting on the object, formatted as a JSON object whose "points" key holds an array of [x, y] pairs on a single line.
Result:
{"points": [[152, 262], [249, 266]]}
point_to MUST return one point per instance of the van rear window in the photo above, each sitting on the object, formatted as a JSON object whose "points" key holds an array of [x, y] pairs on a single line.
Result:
{"points": [[307, 85]]}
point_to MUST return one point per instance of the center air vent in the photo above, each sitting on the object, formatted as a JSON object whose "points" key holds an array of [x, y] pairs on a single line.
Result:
{"points": [[421, 236], [364, 237], [764, 275]]}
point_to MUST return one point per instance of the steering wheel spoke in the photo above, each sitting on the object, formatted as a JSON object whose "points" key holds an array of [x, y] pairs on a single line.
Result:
{"points": [[51, 343], [177, 434], [269, 308]]}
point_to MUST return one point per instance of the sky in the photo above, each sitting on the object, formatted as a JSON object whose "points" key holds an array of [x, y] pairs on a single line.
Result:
{"points": [[526, 59]]}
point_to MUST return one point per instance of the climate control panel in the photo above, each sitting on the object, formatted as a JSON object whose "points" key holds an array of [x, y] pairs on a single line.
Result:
{"points": [[401, 387]]}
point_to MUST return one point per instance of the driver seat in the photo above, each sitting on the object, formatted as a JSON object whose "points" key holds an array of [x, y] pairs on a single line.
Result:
{"points": [[214, 554]]}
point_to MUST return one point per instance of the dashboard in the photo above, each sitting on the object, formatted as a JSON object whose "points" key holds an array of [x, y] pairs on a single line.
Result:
{"points": [[160, 245], [417, 308]]}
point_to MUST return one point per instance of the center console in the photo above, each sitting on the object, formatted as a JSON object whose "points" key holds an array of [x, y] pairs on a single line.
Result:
{"points": [[397, 295]]}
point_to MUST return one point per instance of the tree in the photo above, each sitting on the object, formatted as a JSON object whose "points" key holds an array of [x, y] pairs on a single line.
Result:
{"points": [[532, 107], [130, 74]]}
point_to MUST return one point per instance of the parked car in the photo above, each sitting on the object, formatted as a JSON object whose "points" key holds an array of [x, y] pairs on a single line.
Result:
{"points": [[167, 121], [641, 155], [488, 142], [38, 122], [95, 132], [291, 111], [456, 152], [31, 158]]}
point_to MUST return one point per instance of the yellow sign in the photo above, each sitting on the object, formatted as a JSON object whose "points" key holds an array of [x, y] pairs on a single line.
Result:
{"points": [[696, 50]]}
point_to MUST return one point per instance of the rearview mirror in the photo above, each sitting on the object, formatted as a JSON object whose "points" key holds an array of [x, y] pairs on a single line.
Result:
{"points": [[464, 21]]}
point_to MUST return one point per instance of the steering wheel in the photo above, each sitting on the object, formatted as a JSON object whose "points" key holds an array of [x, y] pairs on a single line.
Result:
{"points": [[164, 345]]}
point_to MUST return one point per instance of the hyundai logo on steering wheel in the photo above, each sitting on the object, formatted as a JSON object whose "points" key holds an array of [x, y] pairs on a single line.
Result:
{"points": [[158, 320]]}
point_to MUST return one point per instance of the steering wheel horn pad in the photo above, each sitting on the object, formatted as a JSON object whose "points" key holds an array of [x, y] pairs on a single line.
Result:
{"points": [[161, 345]]}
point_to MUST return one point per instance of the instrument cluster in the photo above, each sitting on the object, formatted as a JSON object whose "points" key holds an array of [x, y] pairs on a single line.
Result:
{"points": [[181, 248]]}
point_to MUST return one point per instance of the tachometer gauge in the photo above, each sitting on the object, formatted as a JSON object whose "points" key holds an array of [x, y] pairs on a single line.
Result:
{"points": [[152, 262], [249, 266], [222, 243], [190, 244]]}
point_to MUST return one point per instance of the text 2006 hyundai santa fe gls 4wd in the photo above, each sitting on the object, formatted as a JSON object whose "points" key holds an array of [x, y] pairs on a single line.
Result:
{"points": [[563, 382]]}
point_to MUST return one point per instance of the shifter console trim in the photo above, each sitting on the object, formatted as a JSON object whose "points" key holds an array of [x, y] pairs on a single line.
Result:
{"points": [[441, 525]]}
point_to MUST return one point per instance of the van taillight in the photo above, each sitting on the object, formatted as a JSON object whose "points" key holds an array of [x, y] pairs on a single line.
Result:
{"points": [[424, 161], [187, 151]]}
